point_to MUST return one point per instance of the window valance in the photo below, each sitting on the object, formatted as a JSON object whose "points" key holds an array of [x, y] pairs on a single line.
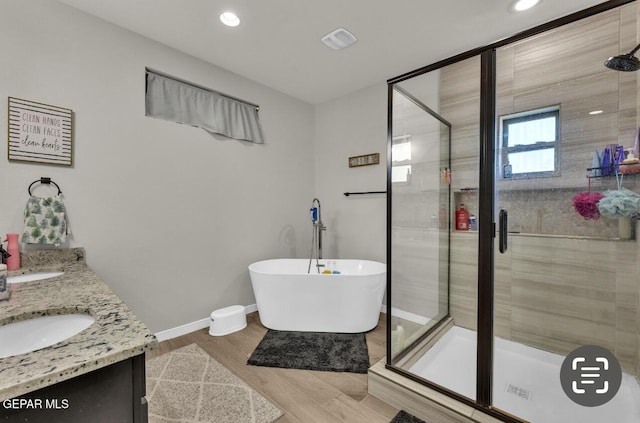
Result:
{"points": [[179, 101]]}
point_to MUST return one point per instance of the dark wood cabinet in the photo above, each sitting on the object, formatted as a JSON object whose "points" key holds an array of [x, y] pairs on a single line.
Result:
{"points": [[111, 394]]}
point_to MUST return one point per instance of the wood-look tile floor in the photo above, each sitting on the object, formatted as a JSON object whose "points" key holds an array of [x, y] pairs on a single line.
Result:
{"points": [[305, 396]]}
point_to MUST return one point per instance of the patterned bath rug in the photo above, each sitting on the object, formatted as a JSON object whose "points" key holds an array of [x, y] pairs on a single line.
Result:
{"points": [[331, 352], [404, 417], [187, 385]]}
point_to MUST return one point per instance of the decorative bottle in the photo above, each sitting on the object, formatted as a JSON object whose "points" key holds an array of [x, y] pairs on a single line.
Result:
{"points": [[13, 248]]}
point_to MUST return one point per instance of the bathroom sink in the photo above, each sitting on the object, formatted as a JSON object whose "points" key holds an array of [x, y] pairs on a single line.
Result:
{"points": [[33, 334], [33, 277]]}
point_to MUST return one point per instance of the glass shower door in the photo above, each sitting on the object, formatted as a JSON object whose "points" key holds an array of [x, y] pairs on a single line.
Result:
{"points": [[562, 280], [420, 219], [435, 166]]}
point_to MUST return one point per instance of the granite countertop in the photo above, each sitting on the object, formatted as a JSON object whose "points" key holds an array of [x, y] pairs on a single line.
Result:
{"points": [[116, 334]]}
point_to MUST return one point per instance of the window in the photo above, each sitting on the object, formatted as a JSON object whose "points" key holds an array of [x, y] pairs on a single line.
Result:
{"points": [[530, 142], [401, 159]]}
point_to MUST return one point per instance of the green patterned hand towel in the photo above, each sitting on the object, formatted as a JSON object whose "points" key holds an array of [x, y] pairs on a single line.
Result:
{"points": [[45, 221]]}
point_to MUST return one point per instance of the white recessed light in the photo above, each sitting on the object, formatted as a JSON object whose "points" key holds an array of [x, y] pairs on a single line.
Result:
{"points": [[595, 112], [229, 19], [522, 5]]}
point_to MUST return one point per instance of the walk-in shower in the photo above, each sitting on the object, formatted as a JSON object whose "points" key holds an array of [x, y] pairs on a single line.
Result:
{"points": [[513, 127]]}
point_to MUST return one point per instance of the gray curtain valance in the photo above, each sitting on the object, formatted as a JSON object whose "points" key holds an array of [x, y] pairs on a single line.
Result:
{"points": [[178, 101]]}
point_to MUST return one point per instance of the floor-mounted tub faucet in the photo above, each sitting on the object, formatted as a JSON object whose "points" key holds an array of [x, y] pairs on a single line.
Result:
{"points": [[316, 240], [318, 226]]}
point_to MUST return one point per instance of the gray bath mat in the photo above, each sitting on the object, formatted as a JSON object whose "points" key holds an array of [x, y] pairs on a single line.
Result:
{"points": [[332, 352], [404, 417], [188, 385]]}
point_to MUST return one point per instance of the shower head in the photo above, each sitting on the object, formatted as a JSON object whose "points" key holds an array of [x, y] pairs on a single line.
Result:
{"points": [[624, 62]]}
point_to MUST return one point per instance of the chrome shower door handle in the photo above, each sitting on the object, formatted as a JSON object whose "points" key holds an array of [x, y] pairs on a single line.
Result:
{"points": [[503, 232]]}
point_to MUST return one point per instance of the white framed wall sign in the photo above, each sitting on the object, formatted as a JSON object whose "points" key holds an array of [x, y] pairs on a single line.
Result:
{"points": [[39, 133]]}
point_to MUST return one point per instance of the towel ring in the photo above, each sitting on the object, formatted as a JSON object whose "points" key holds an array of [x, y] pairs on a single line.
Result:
{"points": [[44, 180]]}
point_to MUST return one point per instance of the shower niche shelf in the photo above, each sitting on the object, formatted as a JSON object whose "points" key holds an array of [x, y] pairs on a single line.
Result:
{"points": [[629, 169], [468, 197]]}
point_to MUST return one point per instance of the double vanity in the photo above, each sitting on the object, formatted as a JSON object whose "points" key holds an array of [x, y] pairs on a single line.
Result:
{"points": [[70, 349]]}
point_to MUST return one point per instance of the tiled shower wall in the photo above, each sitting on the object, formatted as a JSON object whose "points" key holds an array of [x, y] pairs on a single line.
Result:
{"points": [[564, 67], [564, 282], [556, 293]]}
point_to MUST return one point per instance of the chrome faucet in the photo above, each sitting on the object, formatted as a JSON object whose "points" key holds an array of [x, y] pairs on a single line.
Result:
{"points": [[316, 241]]}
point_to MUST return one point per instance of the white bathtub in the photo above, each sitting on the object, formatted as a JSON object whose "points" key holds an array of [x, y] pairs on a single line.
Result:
{"points": [[290, 299]]}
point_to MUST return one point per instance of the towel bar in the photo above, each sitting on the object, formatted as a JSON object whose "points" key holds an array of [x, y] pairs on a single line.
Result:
{"points": [[346, 194]]}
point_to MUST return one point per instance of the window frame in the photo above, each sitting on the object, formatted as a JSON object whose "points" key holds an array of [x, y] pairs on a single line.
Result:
{"points": [[529, 115]]}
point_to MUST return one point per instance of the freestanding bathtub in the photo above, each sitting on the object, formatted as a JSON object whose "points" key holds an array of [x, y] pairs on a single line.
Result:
{"points": [[289, 299]]}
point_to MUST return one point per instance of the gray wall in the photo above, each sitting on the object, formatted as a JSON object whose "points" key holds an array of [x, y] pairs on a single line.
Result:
{"points": [[170, 215], [353, 125]]}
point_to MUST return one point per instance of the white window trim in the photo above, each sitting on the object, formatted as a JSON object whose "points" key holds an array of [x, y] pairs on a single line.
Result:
{"points": [[504, 150]]}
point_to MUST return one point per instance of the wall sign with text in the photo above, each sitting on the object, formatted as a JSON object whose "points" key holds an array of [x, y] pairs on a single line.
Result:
{"points": [[39, 132], [364, 160]]}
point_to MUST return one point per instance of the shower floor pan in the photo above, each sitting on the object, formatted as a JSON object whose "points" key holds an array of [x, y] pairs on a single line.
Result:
{"points": [[526, 381]]}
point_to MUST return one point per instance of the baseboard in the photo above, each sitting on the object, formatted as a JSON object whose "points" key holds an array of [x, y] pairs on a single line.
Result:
{"points": [[194, 326], [406, 315], [182, 329]]}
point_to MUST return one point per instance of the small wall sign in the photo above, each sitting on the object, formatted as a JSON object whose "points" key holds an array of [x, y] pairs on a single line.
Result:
{"points": [[39, 132], [364, 160]]}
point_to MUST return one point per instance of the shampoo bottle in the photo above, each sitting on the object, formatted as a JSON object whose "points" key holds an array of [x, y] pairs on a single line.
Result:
{"points": [[462, 219], [400, 337], [395, 344], [397, 337]]}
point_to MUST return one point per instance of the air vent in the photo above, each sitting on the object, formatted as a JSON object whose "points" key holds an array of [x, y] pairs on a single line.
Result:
{"points": [[339, 39]]}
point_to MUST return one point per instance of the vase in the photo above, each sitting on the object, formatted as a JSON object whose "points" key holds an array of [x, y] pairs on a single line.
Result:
{"points": [[624, 228]]}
